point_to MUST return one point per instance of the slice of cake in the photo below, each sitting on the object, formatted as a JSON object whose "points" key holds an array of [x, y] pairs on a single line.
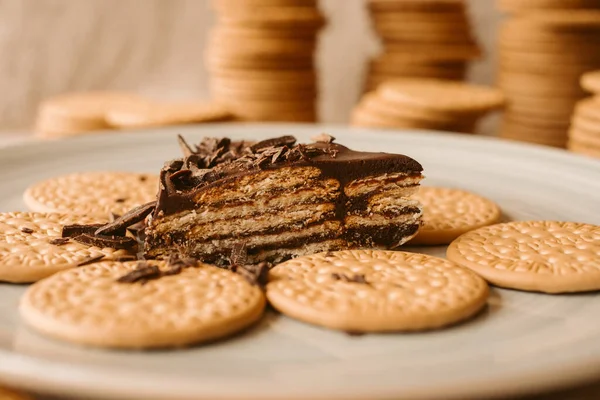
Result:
{"points": [[280, 199]]}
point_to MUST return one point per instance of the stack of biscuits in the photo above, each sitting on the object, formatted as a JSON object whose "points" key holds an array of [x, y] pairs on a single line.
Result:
{"points": [[421, 38], [426, 104], [79, 113], [543, 52], [584, 133], [261, 58]]}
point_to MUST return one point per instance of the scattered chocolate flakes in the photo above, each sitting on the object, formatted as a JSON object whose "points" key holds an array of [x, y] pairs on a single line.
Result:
{"points": [[356, 278], [143, 273], [274, 142], [130, 218], [255, 274], [76, 230], [278, 154], [323, 138], [238, 256], [121, 200], [143, 178], [173, 165], [59, 241], [115, 242], [26, 230], [185, 147], [112, 217], [90, 260]]}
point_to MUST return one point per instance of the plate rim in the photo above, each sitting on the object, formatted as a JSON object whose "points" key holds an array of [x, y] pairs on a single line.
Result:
{"points": [[557, 377]]}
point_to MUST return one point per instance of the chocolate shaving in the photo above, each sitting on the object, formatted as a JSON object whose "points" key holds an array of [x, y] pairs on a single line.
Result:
{"points": [[185, 147], [181, 174], [112, 216], [143, 178], [131, 217], [90, 260], [27, 230], [173, 165], [115, 242], [323, 138], [239, 255], [76, 230], [121, 200], [255, 274], [142, 273], [279, 153], [274, 142], [59, 241], [356, 278]]}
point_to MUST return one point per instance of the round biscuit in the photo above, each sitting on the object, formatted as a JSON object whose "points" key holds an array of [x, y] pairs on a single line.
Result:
{"points": [[541, 256], [403, 291], [85, 108], [535, 5], [560, 20], [11, 394], [92, 193], [583, 148], [513, 82], [586, 124], [442, 95], [417, 5], [583, 136], [433, 51], [152, 114], [88, 306], [448, 213], [588, 108], [590, 81], [26, 254], [289, 18]]}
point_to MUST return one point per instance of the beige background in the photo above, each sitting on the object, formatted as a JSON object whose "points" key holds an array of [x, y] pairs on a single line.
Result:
{"points": [[156, 47]]}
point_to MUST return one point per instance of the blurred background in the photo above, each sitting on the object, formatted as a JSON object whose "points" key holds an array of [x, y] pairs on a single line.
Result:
{"points": [[156, 47]]}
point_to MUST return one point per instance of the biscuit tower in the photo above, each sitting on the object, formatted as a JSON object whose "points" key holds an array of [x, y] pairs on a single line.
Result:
{"points": [[421, 38], [261, 58], [584, 132], [543, 51]]}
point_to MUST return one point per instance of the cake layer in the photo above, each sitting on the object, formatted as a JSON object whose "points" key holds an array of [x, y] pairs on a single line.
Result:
{"points": [[162, 245], [373, 184], [318, 192]]}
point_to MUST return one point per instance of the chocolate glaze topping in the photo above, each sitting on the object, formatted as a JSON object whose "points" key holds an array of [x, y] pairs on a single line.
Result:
{"points": [[218, 161]]}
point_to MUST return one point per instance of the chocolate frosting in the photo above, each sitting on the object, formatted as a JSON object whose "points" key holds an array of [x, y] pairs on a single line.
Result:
{"points": [[217, 161]]}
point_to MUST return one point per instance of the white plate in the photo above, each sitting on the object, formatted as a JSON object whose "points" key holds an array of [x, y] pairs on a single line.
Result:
{"points": [[522, 342]]}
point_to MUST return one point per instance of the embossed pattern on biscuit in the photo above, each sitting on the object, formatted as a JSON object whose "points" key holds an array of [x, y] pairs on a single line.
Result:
{"points": [[403, 291], [545, 256], [448, 213], [92, 193], [88, 306], [27, 252]]}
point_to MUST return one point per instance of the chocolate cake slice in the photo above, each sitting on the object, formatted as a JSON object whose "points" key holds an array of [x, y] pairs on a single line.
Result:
{"points": [[280, 199]]}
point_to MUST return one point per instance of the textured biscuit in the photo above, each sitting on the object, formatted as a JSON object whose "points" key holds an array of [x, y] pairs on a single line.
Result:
{"points": [[588, 108], [442, 95], [590, 81], [448, 213], [583, 148], [544, 256], [530, 5], [92, 193], [417, 5], [403, 291], [10, 394], [149, 114], [88, 306], [26, 254], [73, 113]]}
